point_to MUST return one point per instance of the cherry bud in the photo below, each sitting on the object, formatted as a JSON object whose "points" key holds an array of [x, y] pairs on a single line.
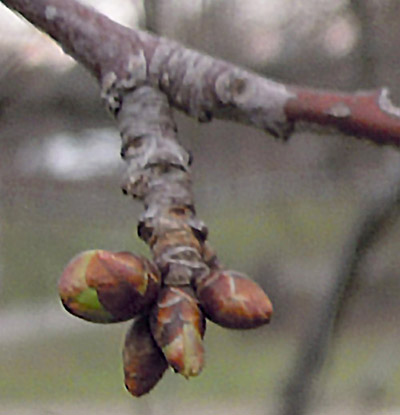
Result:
{"points": [[178, 327], [105, 287], [144, 362], [232, 300]]}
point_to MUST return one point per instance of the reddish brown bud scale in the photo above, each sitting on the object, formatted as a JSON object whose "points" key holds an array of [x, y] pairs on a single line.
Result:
{"points": [[127, 284], [144, 362], [232, 300], [106, 287], [178, 327]]}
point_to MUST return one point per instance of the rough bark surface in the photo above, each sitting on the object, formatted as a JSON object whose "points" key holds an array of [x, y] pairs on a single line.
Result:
{"points": [[158, 173]]}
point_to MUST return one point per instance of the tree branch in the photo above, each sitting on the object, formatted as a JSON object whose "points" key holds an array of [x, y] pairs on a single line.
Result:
{"points": [[368, 114], [203, 87]]}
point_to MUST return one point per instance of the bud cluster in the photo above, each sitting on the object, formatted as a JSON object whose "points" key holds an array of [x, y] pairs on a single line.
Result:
{"points": [[169, 321]]}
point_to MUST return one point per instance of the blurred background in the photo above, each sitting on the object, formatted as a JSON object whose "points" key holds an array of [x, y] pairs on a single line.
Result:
{"points": [[314, 220]]}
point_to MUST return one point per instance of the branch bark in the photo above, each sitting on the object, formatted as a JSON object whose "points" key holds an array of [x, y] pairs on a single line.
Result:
{"points": [[158, 173], [201, 86]]}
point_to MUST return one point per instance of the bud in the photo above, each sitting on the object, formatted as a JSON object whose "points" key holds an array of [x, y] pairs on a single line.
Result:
{"points": [[144, 362], [105, 287], [232, 300], [178, 327]]}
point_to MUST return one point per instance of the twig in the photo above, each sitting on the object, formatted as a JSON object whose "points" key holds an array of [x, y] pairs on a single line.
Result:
{"points": [[158, 173], [202, 86]]}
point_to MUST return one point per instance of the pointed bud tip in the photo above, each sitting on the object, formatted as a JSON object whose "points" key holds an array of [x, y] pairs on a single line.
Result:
{"points": [[178, 327]]}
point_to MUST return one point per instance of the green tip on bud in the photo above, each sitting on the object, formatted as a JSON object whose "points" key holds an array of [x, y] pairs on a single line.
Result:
{"points": [[76, 296], [105, 287]]}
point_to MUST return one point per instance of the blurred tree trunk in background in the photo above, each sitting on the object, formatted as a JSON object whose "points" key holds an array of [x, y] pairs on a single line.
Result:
{"points": [[367, 69], [153, 14], [375, 220]]}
